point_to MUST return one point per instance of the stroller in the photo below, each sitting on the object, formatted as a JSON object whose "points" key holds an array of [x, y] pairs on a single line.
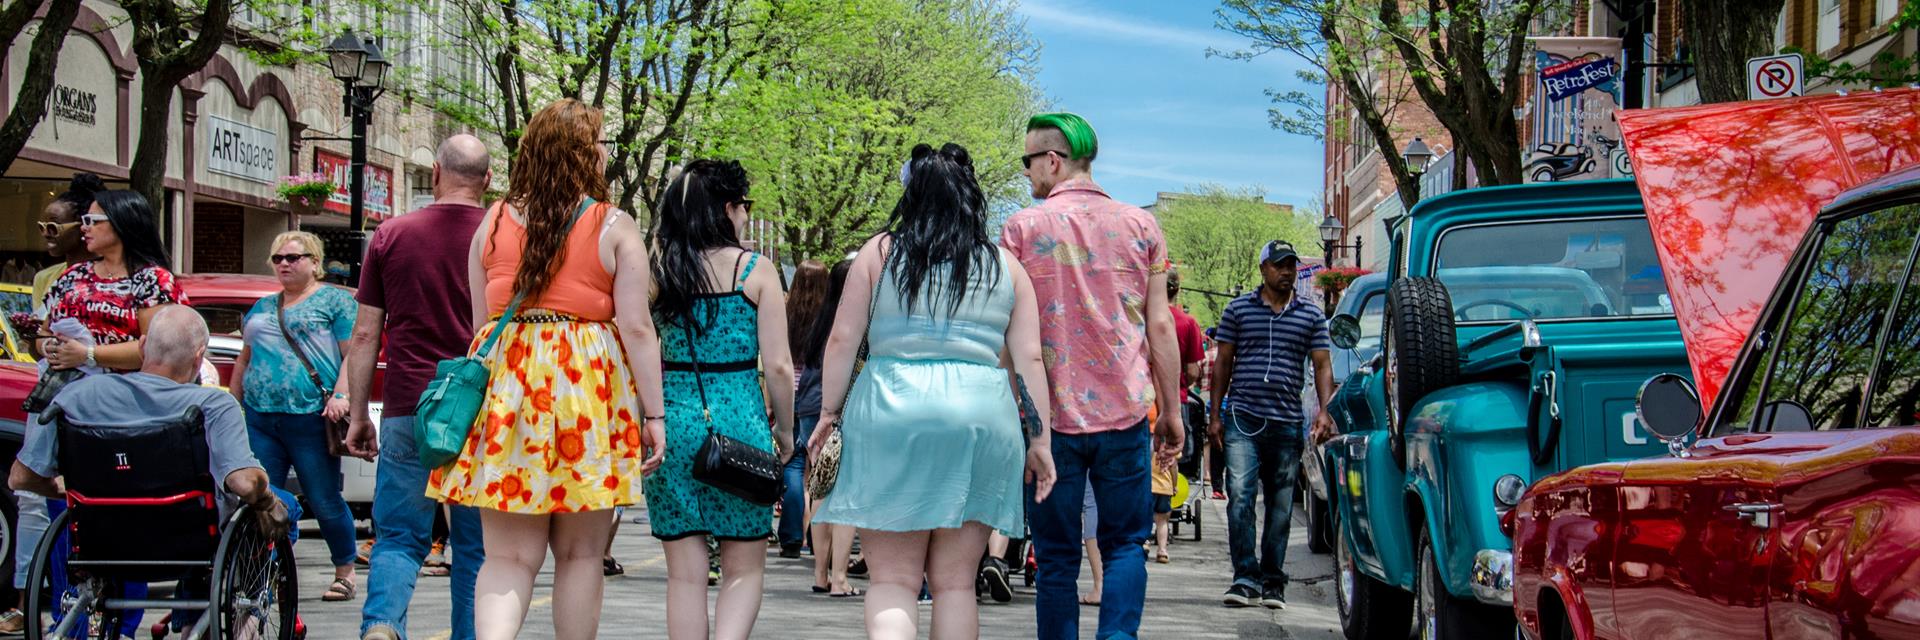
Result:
{"points": [[1187, 506]]}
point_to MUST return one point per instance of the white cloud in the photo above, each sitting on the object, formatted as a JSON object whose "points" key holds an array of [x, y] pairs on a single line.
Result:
{"points": [[1091, 22]]}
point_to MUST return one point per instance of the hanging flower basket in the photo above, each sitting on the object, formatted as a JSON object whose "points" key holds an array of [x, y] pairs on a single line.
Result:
{"points": [[1336, 279], [306, 193]]}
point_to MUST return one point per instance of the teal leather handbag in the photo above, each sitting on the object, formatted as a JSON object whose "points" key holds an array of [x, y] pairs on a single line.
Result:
{"points": [[452, 401]]}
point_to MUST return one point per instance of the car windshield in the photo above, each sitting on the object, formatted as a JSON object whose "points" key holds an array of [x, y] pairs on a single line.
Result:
{"points": [[1550, 270], [223, 319]]}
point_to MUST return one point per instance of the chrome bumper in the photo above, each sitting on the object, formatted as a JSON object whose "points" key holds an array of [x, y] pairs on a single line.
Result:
{"points": [[1492, 577]]}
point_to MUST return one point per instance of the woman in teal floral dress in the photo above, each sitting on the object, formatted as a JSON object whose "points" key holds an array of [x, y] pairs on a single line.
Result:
{"points": [[722, 321]]}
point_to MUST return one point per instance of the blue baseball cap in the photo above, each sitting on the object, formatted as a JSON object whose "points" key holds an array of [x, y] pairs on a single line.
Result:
{"points": [[1277, 251]]}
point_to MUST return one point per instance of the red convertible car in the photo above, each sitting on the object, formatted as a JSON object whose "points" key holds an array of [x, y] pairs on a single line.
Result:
{"points": [[1790, 506]]}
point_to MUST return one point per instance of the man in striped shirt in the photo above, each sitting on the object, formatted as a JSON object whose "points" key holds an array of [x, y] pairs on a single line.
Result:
{"points": [[1265, 338]]}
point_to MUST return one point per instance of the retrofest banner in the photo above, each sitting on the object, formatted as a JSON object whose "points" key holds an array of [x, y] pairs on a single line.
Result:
{"points": [[379, 185], [1576, 90]]}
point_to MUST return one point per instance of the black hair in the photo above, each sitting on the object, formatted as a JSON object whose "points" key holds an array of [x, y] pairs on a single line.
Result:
{"points": [[692, 220], [941, 220], [79, 194], [813, 345], [132, 220]]}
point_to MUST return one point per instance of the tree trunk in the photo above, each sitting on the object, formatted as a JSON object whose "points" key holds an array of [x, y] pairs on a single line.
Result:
{"points": [[147, 176], [30, 105], [1721, 35]]}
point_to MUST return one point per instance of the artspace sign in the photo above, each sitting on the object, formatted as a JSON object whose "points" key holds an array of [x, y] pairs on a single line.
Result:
{"points": [[1577, 75], [241, 150]]}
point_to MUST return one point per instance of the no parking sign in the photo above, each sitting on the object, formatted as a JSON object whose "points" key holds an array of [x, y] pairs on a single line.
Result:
{"points": [[1775, 76]]}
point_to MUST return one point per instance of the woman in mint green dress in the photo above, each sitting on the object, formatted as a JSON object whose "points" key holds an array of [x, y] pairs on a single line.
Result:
{"points": [[933, 455]]}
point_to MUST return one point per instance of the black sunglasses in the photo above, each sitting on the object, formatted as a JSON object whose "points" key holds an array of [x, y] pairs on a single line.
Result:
{"points": [[288, 258], [746, 202], [1026, 161]]}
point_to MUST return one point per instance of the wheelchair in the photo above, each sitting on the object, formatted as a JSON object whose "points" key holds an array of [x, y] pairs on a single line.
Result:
{"points": [[141, 508]]}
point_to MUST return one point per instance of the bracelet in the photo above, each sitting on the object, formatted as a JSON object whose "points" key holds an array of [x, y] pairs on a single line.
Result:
{"points": [[662, 417], [90, 361], [339, 396]]}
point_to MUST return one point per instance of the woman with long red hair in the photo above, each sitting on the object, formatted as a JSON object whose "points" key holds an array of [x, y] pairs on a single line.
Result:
{"points": [[573, 415]]}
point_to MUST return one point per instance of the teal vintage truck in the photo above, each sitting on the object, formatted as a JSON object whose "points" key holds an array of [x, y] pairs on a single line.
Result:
{"points": [[1519, 324]]}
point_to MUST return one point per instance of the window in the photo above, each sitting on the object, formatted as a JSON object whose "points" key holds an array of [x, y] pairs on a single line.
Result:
{"points": [[1817, 372], [223, 319], [1553, 269]]}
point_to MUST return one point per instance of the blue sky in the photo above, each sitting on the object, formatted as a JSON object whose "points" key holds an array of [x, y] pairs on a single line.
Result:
{"points": [[1169, 117]]}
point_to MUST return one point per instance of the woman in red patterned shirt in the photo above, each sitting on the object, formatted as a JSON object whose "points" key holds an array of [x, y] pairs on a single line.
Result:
{"points": [[116, 294]]}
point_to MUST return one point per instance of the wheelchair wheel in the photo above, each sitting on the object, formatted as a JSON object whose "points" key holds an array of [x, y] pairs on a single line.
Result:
{"points": [[257, 587], [76, 606]]}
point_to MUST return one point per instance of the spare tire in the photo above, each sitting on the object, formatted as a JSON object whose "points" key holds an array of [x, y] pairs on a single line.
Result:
{"points": [[1422, 353]]}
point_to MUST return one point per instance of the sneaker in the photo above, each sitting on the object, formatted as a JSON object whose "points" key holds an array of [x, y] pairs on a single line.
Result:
{"points": [[994, 576], [380, 632], [1274, 599], [1219, 495], [364, 554], [789, 551], [1241, 595]]}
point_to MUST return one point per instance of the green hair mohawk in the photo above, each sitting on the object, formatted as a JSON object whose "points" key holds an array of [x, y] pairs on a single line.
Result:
{"points": [[1081, 143]]}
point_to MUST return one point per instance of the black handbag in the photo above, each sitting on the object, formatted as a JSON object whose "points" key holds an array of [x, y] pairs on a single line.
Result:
{"points": [[49, 386], [336, 429], [728, 464]]}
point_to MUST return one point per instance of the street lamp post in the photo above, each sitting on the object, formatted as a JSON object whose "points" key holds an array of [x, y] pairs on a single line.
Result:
{"points": [[1417, 156], [362, 72], [1331, 230]]}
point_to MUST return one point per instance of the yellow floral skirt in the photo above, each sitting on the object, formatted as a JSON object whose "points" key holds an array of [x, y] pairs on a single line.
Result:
{"points": [[560, 429]]}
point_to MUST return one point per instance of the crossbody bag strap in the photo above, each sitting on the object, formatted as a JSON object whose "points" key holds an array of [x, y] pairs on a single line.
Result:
{"points": [[873, 302], [699, 378], [280, 315], [486, 348]]}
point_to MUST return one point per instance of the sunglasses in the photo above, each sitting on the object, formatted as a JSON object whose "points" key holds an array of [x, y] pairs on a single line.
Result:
{"points": [[746, 202], [93, 219], [1027, 160], [56, 228], [288, 258]]}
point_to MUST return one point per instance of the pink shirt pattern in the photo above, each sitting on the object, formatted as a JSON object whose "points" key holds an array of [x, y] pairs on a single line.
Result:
{"points": [[1090, 258]]}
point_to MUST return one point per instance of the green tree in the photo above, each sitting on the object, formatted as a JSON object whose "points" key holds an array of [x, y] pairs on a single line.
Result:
{"points": [[1721, 35], [824, 117], [1215, 234], [1462, 59]]}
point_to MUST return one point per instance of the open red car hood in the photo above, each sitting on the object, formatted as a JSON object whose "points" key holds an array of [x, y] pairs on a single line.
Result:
{"points": [[1730, 190]]}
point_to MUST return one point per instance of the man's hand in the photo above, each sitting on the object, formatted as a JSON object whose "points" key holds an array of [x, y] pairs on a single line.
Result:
{"points": [[1171, 435], [273, 519], [1040, 472], [1217, 432], [363, 441], [1322, 427]]}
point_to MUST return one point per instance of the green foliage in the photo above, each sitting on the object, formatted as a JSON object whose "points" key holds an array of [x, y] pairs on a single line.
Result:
{"points": [[1886, 69], [825, 116], [1214, 234]]}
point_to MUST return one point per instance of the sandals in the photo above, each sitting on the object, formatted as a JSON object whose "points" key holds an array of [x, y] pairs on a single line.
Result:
{"points": [[855, 593], [820, 589], [610, 567], [341, 590], [1163, 558]]}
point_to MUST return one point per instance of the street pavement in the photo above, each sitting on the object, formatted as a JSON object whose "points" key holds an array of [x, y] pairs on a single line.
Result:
{"points": [[1183, 598]]}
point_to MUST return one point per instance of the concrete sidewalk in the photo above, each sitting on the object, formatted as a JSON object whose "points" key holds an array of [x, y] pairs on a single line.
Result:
{"points": [[1183, 598]]}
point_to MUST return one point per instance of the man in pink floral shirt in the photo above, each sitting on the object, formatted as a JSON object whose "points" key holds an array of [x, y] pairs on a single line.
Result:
{"points": [[1099, 272]]}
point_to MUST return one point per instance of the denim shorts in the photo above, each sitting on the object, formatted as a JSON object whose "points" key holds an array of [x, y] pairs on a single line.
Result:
{"points": [[1162, 504]]}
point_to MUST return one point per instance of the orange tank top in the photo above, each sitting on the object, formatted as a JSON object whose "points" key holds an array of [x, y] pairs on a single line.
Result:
{"points": [[582, 287]]}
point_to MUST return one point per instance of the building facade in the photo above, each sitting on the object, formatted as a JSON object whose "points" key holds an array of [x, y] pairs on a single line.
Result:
{"points": [[236, 129]]}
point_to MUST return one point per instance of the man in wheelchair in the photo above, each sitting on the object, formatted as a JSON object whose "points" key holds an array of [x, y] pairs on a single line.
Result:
{"points": [[134, 460]]}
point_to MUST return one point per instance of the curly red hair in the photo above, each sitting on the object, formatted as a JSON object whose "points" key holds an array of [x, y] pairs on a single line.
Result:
{"points": [[559, 161]]}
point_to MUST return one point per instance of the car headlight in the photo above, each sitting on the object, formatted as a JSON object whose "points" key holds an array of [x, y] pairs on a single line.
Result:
{"points": [[1508, 489]]}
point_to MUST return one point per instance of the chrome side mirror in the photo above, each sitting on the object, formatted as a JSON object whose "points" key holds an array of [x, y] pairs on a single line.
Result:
{"points": [[1344, 330], [1669, 406]]}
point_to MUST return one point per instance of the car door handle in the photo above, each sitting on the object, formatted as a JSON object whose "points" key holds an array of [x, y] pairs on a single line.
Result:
{"points": [[1758, 513]]}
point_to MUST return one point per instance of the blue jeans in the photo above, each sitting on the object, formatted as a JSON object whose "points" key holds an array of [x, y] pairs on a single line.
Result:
{"points": [[283, 441], [1263, 462], [1116, 463], [793, 503], [403, 520]]}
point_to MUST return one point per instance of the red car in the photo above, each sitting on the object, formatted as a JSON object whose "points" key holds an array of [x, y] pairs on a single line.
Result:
{"points": [[1790, 507]]}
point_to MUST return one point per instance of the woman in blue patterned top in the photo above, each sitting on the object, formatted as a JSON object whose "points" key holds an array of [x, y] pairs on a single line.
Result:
{"points": [[288, 407]]}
